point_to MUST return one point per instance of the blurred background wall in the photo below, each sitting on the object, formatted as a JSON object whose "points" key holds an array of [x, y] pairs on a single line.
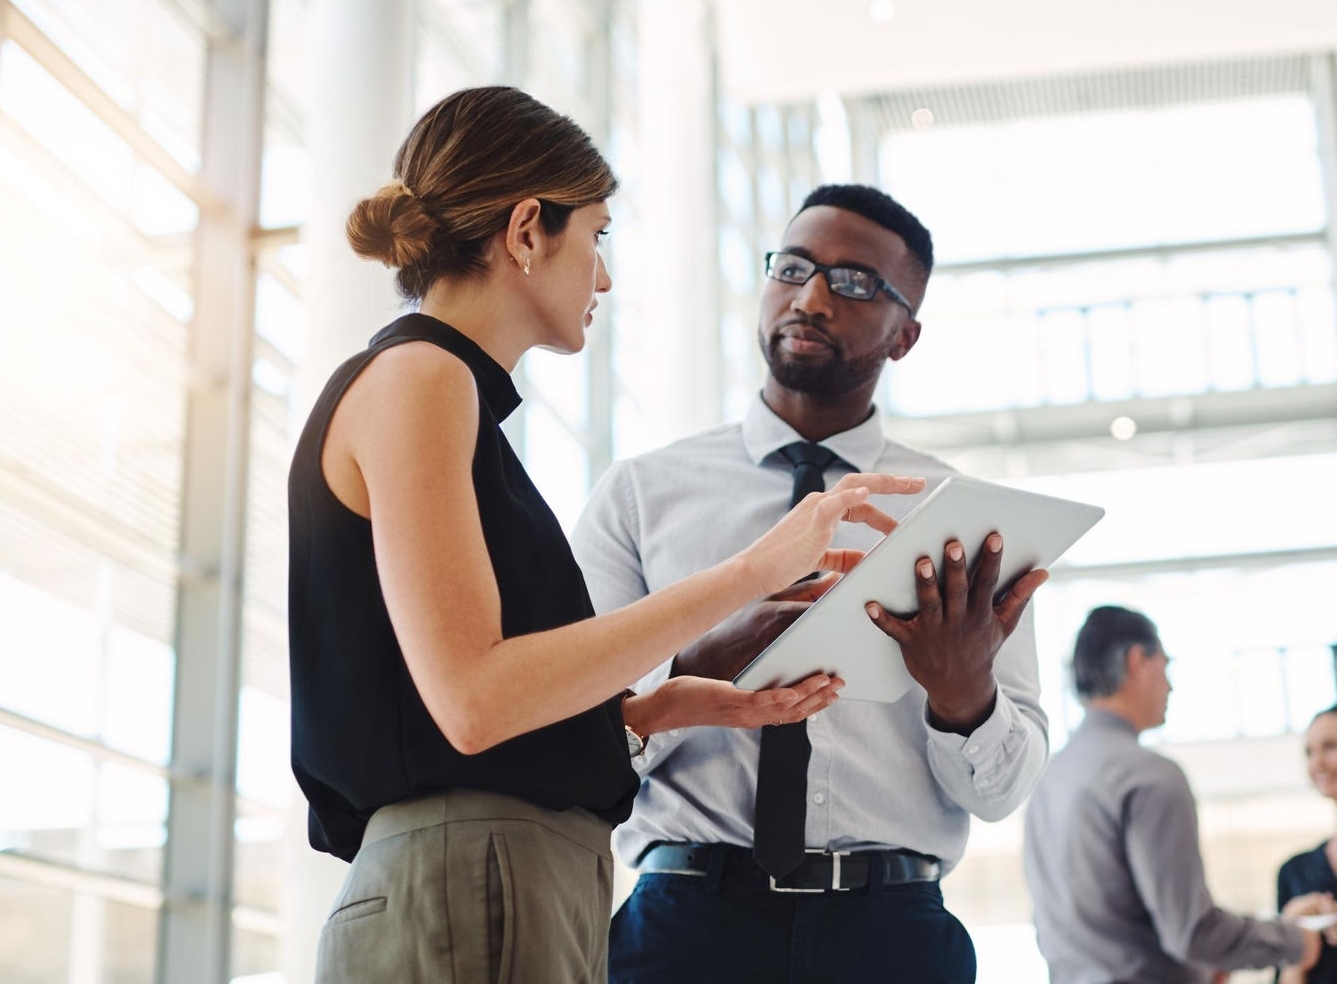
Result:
{"points": [[1134, 305]]}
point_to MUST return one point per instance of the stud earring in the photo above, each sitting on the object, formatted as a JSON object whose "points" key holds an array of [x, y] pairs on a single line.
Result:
{"points": [[526, 266]]}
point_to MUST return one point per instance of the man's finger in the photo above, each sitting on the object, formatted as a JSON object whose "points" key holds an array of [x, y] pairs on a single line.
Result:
{"points": [[1014, 602], [985, 582], [955, 584], [894, 627], [926, 589]]}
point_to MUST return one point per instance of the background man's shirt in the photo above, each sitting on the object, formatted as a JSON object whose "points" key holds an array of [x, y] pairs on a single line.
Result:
{"points": [[1116, 876]]}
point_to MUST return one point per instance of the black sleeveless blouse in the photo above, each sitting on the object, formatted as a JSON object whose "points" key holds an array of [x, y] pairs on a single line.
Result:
{"points": [[361, 736]]}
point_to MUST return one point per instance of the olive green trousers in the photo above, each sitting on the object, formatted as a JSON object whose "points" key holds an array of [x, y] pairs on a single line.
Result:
{"points": [[468, 887]]}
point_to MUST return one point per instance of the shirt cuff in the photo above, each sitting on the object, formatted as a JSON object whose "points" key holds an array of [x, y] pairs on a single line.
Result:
{"points": [[982, 748]]}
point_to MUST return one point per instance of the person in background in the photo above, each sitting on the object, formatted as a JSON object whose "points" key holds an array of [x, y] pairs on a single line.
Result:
{"points": [[1111, 844], [1307, 883], [459, 721], [814, 853]]}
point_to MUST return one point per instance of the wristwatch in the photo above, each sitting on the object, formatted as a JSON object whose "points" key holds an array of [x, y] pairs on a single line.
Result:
{"points": [[635, 742]]}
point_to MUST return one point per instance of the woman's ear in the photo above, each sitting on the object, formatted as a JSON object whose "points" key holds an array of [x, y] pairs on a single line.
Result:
{"points": [[524, 233]]}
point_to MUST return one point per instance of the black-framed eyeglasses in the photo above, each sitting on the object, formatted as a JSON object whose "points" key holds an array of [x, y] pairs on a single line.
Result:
{"points": [[851, 282]]}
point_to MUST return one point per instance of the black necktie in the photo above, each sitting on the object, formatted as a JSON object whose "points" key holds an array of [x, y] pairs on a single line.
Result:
{"points": [[782, 768]]}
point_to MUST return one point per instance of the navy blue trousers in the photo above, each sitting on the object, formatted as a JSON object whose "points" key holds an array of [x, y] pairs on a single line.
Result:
{"points": [[681, 929]]}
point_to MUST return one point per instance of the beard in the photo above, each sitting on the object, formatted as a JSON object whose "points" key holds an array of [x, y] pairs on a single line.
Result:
{"points": [[831, 377]]}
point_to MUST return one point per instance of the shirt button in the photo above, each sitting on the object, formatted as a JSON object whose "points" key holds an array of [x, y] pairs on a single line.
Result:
{"points": [[674, 732], [985, 782], [972, 749], [819, 798]]}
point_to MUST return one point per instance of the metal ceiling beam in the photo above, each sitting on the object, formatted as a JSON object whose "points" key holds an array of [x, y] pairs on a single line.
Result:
{"points": [[1262, 561], [1026, 426], [1166, 251], [14, 26], [52, 874]]}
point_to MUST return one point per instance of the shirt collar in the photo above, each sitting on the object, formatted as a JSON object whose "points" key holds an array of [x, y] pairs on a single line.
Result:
{"points": [[764, 433], [1108, 720]]}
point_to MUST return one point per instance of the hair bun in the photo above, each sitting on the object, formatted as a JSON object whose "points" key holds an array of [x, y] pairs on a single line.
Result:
{"points": [[392, 226]]}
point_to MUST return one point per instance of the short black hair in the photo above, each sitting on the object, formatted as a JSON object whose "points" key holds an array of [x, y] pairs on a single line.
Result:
{"points": [[877, 206], [1100, 657]]}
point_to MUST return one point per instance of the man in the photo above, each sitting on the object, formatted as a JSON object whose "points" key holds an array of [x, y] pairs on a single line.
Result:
{"points": [[879, 795], [1112, 837]]}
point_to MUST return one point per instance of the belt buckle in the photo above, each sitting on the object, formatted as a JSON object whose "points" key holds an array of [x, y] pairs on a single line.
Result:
{"points": [[835, 875]]}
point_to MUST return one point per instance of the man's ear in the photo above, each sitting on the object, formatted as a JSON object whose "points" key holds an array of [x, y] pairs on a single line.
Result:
{"points": [[905, 340], [524, 231], [1137, 659]]}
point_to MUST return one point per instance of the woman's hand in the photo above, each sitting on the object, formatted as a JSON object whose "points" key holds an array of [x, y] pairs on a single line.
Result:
{"points": [[1310, 904], [688, 701], [1313, 904], [800, 543]]}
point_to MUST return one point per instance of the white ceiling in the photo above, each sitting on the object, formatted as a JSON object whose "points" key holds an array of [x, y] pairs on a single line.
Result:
{"points": [[787, 50]]}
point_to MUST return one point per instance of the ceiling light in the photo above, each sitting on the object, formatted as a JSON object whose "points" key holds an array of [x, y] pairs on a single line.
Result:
{"points": [[921, 118], [882, 10], [1123, 428]]}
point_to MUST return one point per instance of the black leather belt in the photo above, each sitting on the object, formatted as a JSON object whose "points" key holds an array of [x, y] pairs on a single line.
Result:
{"points": [[820, 871]]}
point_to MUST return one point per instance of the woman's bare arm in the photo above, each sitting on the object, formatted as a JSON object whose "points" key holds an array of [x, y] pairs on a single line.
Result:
{"points": [[400, 451]]}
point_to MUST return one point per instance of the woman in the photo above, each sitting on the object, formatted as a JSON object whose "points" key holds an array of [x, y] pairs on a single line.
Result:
{"points": [[1307, 882], [460, 727]]}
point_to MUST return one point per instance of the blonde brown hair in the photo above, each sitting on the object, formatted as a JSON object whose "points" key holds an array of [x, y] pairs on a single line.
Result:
{"points": [[463, 168]]}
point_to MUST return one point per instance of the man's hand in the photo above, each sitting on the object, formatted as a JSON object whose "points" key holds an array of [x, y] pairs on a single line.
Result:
{"points": [[723, 651], [950, 644], [688, 701]]}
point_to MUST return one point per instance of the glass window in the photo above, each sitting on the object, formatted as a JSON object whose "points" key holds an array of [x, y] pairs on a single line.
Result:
{"points": [[1132, 177], [143, 55], [1250, 649], [1118, 330], [67, 808], [255, 957]]}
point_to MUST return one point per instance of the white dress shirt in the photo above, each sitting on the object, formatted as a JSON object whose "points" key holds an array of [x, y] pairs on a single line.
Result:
{"points": [[879, 776]]}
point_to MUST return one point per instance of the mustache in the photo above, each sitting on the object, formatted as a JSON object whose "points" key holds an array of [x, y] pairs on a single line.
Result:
{"points": [[805, 322]]}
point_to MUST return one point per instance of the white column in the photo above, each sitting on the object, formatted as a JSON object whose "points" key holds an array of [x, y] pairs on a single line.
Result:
{"points": [[864, 134], [195, 925], [674, 278], [361, 58], [1324, 82]]}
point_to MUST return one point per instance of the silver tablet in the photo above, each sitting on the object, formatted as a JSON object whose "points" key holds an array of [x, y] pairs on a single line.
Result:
{"points": [[835, 635]]}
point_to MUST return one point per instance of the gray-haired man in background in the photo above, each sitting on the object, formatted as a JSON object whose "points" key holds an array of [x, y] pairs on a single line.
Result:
{"points": [[1112, 854]]}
